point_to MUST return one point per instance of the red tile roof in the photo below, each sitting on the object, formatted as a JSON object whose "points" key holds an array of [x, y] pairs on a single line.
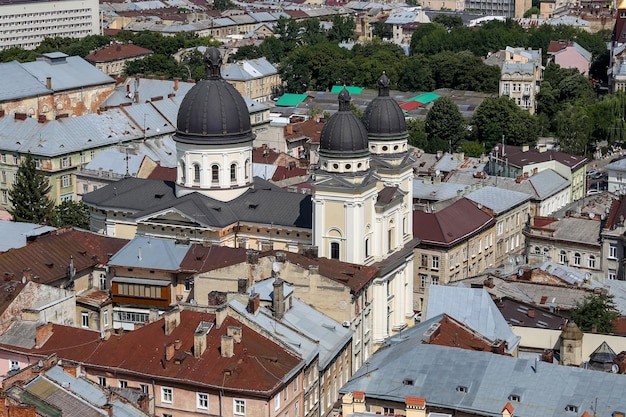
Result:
{"points": [[519, 158], [455, 334], [283, 173], [47, 257], [310, 129], [264, 156], [450, 225], [95, 298], [163, 174], [258, 365], [207, 258], [617, 214], [411, 105], [419, 401], [116, 52], [556, 46]]}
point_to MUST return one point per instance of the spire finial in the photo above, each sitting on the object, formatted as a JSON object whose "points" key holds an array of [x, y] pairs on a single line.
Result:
{"points": [[212, 62], [344, 99], [383, 85]]}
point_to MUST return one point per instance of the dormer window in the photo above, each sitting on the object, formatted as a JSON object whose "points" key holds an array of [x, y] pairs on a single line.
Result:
{"points": [[462, 388], [515, 397], [571, 408]]}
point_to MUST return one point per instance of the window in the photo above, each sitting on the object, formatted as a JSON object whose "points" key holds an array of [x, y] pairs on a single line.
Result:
{"points": [[103, 282], [423, 280], [613, 250], [66, 181], [612, 274], [500, 227], [66, 162], [577, 259], [84, 319], [334, 250], [239, 407], [435, 263], [215, 174], [562, 257], [277, 402], [247, 168], [434, 280], [202, 401], [592, 261], [105, 319], [425, 261], [233, 172], [3, 179], [102, 381], [514, 397], [15, 160], [367, 248], [571, 408], [5, 196], [143, 388], [123, 384], [166, 395], [188, 284], [196, 172]]}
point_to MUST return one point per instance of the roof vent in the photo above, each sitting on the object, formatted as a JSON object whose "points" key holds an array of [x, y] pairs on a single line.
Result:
{"points": [[407, 382]]}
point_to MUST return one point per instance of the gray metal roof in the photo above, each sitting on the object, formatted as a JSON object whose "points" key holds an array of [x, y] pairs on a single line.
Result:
{"points": [[449, 163], [153, 253], [16, 82], [496, 199], [577, 229], [435, 192], [474, 308], [14, 234], [66, 72], [617, 165], [20, 334], [545, 390], [131, 195], [248, 70], [265, 289], [161, 149], [547, 183]]}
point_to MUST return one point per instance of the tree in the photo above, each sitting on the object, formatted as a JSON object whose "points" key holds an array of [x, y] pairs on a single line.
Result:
{"points": [[498, 117], [222, 5], [29, 196], [71, 213], [343, 29], [597, 310], [450, 22], [573, 127], [473, 149], [532, 11], [417, 75], [445, 122], [382, 30]]}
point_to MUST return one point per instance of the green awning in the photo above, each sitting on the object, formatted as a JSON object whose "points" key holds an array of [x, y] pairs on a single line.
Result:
{"points": [[425, 98], [291, 100], [352, 89]]}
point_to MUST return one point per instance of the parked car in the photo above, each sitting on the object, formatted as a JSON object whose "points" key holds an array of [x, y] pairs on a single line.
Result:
{"points": [[593, 191]]}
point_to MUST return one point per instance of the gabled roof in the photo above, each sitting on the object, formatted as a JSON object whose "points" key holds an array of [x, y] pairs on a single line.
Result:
{"points": [[519, 158], [557, 47], [66, 72], [200, 258], [497, 199], [116, 52], [14, 234], [474, 308], [437, 372], [47, 259], [617, 213], [16, 82], [248, 70], [153, 253], [256, 355], [447, 227], [570, 229]]}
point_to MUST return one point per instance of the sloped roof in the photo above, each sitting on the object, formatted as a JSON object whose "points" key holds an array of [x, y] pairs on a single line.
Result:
{"points": [[116, 52], [14, 234], [248, 70], [48, 256], [451, 225], [154, 253], [474, 308], [617, 213], [519, 158], [572, 229], [16, 82], [497, 199], [66, 72], [290, 100], [201, 258]]}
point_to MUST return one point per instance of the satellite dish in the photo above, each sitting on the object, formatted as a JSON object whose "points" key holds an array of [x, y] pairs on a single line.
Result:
{"points": [[520, 272], [437, 172], [518, 259], [587, 276], [275, 267], [615, 368]]}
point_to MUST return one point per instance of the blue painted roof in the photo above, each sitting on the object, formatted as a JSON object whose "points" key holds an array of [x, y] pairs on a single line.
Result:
{"points": [[149, 252]]}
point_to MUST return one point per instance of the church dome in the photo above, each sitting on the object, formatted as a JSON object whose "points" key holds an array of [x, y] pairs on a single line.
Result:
{"points": [[344, 135], [213, 111], [383, 117]]}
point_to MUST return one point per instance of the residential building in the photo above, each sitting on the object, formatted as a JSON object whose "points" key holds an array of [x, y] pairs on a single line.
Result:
{"points": [[617, 57], [569, 54], [455, 242], [191, 363], [111, 59], [447, 383], [521, 74], [397, 19], [257, 79], [613, 241], [26, 24], [515, 161], [508, 9], [571, 241], [616, 176], [510, 210]]}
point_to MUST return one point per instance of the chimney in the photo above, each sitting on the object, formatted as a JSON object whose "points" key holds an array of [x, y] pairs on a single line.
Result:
{"points": [[176, 81], [278, 300], [127, 88], [415, 406], [314, 269], [252, 256], [172, 320], [136, 97], [347, 404], [242, 285], [137, 78], [234, 332], [42, 334], [118, 47], [169, 351], [42, 118], [525, 148], [177, 344], [253, 303], [199, 338], [71, 368], [508, 409], [153, 315], [20, 116], [359, 401], [289, 129], [49, 83], [535, 171], [1, 112], [526, 174], [220, 315], [228, 346]]}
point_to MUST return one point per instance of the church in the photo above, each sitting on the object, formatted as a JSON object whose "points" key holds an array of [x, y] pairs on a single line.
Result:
{"points": [[360, 210]]}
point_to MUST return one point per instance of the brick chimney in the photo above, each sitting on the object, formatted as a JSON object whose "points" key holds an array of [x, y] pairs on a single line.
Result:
{"points": [[169, 351], [42, 334], [507, 411], [71, 368], [415, 406], [278, 300], [228, 346], [234, 332], [253, 303], [172, 320], [347, 404], [359, 401], [176, 81]]}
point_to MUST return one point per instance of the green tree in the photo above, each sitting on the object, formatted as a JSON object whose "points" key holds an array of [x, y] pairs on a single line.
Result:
{"points": [[311, 32], [532, 11], [498, 117], [222, 5], [71, 213], [343, 29], [597, 310], [417, 75], [445, 122], [472, 148], [573, 127], [29, 196], [417, 133], [450, 22], [382, 30]]}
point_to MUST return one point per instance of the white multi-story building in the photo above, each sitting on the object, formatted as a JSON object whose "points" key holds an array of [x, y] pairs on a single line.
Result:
{"points": [[25, 24]]}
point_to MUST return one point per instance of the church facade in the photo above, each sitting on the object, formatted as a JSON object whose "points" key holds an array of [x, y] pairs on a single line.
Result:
{"points": [[360, 210]]}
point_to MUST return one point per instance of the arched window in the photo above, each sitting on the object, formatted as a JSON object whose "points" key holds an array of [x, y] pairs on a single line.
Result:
{"points": [[183, 173], [334, 250], [247, 171], [215, 174], [577, 259], [592, 261], [233, 172], [367, 247], [537, 250], [562, 257], [196, 173]]}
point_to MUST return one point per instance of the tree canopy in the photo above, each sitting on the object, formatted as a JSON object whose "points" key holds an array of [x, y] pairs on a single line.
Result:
{"points": [[445, 122], [71, 213], [29, 197], [500, 117], [597, 310]]}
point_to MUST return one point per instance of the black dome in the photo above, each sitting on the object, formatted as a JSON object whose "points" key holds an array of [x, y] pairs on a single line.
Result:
{"points": [[344, 135], [383, 117], [213, 111]]}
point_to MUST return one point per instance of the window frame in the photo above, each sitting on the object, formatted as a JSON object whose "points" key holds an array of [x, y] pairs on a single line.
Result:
{"points": [[239, 407], [167, 395], [202, 401]]}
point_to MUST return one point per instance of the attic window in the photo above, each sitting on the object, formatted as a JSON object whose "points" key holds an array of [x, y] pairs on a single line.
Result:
{"points": [[407, 382], [462, 388], [515, 397], [571, 408], [252, 205], [49, 264], [159, 195]]}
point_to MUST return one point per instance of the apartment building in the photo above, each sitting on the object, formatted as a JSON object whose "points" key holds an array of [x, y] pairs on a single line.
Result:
{"points": [[25, 24], [257, 79]]}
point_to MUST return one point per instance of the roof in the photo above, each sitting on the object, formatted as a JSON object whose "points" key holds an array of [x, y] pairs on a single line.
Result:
{"points": [[517, 313], [571, 229], [351, 89], [519, 158], [116, 52], [474, 308], [16, 82], [290, 100], [255, 355], [438, 371], [616, 214], [153, 253], [48, 257], [497, 199], [201, 258], [15, 234], [557, 47], [66, 72], [248, 70], [425, 98], [449, 226]]}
